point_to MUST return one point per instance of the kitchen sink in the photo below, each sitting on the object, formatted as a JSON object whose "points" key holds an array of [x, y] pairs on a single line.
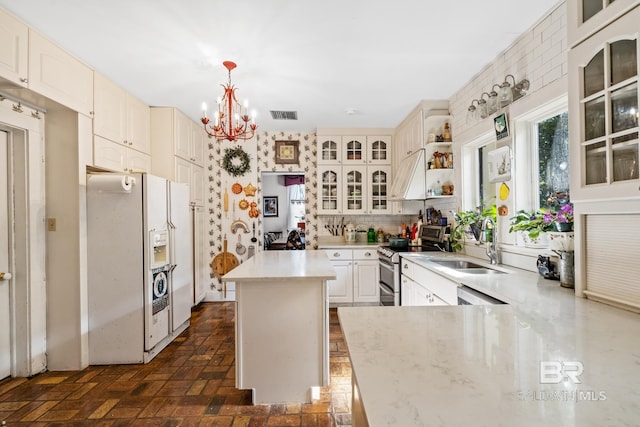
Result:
{"points": [[459, 264], [466, 267], [482, 270]]}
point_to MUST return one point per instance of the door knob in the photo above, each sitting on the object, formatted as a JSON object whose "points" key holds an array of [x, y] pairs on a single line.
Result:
{"points": [[5, 276]]}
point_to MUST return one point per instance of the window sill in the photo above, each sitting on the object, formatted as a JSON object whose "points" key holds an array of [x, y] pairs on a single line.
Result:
{"points": [[511, 255]]}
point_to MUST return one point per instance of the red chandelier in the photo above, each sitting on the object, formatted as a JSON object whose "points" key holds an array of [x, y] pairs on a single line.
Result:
{"points": [[231, 119]]}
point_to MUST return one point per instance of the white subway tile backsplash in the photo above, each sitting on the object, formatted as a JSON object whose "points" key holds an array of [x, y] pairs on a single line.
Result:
{"points": [[540, 55]]}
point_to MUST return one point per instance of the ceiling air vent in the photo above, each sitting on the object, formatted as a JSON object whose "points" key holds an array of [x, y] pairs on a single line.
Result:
{"points": [[284, 115]]}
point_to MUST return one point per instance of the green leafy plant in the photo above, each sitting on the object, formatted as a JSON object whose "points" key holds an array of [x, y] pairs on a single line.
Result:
{"points": [[531, 222], [470, 220]]}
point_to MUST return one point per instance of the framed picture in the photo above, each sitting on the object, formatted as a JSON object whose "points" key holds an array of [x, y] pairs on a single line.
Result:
{"points": [[499, 163], [270, 206], [501, 125], [287, 152]]}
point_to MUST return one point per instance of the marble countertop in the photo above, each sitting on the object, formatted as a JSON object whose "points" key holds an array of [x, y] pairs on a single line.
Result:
{"points": [[269, 265], [515, 364]]}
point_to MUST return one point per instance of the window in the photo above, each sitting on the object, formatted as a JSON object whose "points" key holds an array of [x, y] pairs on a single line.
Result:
{"points": [[486, 189], [539, 165], [552, 136], [475, 174], [297, 207]]}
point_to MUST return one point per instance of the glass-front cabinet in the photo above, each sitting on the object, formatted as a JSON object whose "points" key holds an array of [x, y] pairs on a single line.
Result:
{"points": [[354, 174], [379, 150], [330, 190], [604, 112], [329, 149], [354, 150], [379, 184], [355, 186], [585, 17]]}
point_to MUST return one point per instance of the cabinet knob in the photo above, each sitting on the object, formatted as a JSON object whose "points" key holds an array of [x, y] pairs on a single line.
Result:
{"points": [[24, 80], [5, 276], [367, 254], [130, 142], [337, 255], [405, 266]]}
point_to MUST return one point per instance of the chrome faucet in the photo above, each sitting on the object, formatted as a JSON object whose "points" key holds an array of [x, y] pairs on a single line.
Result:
{"points": [[492, 252]]}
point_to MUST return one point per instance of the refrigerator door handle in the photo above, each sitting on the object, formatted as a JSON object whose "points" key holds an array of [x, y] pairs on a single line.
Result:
{"points": [[172, 233]]}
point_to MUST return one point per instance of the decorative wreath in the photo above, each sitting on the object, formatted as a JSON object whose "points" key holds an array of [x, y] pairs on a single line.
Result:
{"points": [[231, 158]]}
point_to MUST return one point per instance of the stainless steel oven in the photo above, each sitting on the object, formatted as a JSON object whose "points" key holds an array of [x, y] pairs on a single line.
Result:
{"points": [[389, 283], [389, 262]]}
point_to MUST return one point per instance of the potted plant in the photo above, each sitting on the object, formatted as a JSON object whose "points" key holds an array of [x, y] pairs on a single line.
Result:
{"points": [[561, 220], [561, 239], [533, 226], [470, 223]]}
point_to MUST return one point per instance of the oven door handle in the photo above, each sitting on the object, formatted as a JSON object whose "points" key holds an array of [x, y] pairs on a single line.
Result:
{"points": [[385, 289], [386, 266]]}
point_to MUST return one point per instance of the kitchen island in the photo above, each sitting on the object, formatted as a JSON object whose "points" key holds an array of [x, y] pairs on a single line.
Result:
{"points": [[545, 358], [282, 324]]}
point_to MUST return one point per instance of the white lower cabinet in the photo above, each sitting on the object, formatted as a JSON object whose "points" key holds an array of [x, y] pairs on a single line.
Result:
{"points": [[357, 276], [365, 281], [341, 289], [421, 286]]}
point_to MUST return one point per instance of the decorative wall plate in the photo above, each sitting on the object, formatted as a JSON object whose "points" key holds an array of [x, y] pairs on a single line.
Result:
{"points": [[236, 188]]}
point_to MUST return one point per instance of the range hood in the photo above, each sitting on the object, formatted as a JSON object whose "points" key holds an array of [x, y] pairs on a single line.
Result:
{"points": [[410, 181]]}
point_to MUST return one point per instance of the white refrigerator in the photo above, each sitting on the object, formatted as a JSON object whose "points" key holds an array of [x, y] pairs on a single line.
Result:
{"points": [[139, 266]]}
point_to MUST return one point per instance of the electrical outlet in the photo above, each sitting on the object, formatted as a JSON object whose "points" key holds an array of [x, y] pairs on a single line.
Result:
{"points": [[51, 224]]}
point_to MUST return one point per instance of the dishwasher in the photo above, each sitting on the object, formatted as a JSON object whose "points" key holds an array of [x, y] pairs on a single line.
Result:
{"points": [[469, 296]]}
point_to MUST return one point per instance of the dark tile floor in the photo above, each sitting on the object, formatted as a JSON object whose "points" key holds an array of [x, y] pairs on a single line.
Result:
{"points": [[190, 383]]}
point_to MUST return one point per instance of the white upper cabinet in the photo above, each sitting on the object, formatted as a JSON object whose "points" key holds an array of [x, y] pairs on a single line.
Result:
{"points": [[603, 112], [177, 147], [354, 172], [116, 157], [354, 150], [59, 76], [408, 137], [329, 150], [190, 139], [121, 117], [138, 124], [586, 17], [379, 150], [14, 48], [330, 189]]}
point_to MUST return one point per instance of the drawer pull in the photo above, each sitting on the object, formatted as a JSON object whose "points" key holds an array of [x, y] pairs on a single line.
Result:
{"points": [[336, 254]]}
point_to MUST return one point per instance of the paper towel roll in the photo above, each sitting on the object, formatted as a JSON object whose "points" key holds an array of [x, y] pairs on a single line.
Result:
{"points": [[112, 183]]}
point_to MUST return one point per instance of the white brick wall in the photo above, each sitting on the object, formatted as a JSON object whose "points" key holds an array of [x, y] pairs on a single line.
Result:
{"points": [[539, 55]]}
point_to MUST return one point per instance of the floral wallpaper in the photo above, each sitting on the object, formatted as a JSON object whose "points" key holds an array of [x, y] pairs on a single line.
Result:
{"points": [[261, 153]]}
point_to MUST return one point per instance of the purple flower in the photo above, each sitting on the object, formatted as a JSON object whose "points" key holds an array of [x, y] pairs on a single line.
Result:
{"points": [[547, 217]]}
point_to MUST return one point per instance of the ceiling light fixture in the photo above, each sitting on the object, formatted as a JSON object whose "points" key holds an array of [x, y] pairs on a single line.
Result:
{"points": [[505, 95], [232, 118]]}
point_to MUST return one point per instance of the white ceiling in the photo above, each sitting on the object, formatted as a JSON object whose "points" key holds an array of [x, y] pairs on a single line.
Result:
{"points": [[320, 58]]}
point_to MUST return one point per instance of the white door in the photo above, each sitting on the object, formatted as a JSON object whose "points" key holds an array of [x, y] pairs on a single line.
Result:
{"points": [[5, 317]]}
